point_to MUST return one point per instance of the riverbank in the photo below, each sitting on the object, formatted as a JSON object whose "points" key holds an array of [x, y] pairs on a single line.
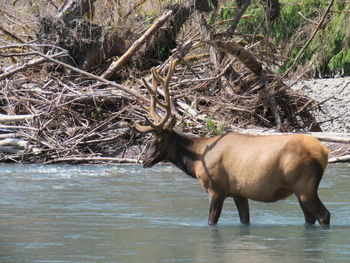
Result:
{"points": [[332, 98], [332, 112], [26, 140]]}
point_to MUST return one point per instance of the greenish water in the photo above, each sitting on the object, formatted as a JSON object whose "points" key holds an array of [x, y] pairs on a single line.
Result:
{"points": [[90, 213]]}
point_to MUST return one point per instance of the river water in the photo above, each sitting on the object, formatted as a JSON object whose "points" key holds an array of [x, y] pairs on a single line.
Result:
{"points": [[96, 213]]}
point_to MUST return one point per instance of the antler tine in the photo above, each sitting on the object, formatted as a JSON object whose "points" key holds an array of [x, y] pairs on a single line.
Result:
{"points": [[158, 122], [145, 128], [142, 128], [153, 92], [165, 87]]}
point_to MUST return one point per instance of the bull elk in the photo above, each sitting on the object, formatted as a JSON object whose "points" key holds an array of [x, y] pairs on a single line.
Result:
{"points": [[263, 168]]}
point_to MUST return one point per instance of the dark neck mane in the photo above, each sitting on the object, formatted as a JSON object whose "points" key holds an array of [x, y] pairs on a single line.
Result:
{"points": [[183, 155]]}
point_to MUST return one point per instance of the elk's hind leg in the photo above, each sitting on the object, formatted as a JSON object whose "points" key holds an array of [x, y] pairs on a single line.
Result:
{"points": [[315, 208], [306, 191], [243, 209], [309, 218]]}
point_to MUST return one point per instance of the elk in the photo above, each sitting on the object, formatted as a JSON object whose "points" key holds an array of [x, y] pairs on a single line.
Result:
{"points": [[264, 168]]}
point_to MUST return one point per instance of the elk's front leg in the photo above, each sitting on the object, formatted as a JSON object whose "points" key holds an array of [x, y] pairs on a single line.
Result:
{"points": [[243, 209], [216, 203]]}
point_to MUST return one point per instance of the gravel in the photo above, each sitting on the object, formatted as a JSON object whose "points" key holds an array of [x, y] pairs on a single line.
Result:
{"points": [[333, 95]]}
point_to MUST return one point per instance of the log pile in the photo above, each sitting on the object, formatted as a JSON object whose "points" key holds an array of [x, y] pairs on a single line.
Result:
{"points": [[67, 114], [69, 117], [65, 120]]}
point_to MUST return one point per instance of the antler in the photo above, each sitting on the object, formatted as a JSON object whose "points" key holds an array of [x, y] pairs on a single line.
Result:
{"points": [[158, 122]]}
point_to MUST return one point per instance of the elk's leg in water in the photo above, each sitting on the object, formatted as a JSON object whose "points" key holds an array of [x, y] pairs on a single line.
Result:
{"points": [[243, 209], [306, 191], [309, 218], [315, 207], [216, 203]]}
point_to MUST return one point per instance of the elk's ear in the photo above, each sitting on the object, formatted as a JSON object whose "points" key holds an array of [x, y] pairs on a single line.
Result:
{"points": [[172, 123]]}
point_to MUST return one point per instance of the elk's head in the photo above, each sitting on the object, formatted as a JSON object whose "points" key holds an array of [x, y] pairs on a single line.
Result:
{"points": [[161, 127]]}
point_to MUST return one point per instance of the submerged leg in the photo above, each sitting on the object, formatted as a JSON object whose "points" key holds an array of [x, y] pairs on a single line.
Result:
{"points": [[216, 203], [309, 218], [305, 188], [243, 209], [316, 208]]}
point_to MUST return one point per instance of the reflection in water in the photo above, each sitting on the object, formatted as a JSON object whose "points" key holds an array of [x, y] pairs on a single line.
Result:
{"points": [[129, 214], [268, 244]]}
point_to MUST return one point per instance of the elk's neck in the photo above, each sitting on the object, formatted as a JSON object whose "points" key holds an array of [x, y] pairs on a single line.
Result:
{"points": [[183, 153]]}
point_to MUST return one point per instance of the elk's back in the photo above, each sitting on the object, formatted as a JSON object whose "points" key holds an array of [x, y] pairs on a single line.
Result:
{"points": [[257, 167]]}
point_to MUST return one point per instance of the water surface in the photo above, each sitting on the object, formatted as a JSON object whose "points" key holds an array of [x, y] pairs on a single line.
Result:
{"points": [[92, 213]]}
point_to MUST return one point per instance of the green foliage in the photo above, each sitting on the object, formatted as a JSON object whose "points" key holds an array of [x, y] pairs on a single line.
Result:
{"points": [[212, 128], [337, 36], [330, 49], [228, 10]]}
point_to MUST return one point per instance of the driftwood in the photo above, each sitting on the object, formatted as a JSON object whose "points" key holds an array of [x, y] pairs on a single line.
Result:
{"points": [[135, 46], [14, 118], [60, 130], [28, 65], [250, 61], [13, 143], [340, 159], [83, 117], [15, 146], [331, 137], [78, 159], [92, 76]]}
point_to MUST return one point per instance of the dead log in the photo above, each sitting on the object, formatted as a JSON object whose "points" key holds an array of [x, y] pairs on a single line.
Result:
{"points": [[14, 145], [340, 159], [135, 46], [331, 137], [82, 159], [14, 142], [15, 118]]}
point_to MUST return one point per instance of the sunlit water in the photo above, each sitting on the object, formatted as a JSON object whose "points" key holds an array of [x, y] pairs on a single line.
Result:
{"points": [[90, 213]]}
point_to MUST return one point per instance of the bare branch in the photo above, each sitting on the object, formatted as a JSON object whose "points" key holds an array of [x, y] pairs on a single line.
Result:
{"points": [[135, 47], [14, 118], [29, 64], [92, 76]]}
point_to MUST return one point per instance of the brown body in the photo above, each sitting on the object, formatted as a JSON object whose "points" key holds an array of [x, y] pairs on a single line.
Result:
{"points": [[261, 168]]}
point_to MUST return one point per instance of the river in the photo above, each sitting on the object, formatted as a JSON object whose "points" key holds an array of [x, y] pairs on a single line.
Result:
{"points": [[99, 213]]}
